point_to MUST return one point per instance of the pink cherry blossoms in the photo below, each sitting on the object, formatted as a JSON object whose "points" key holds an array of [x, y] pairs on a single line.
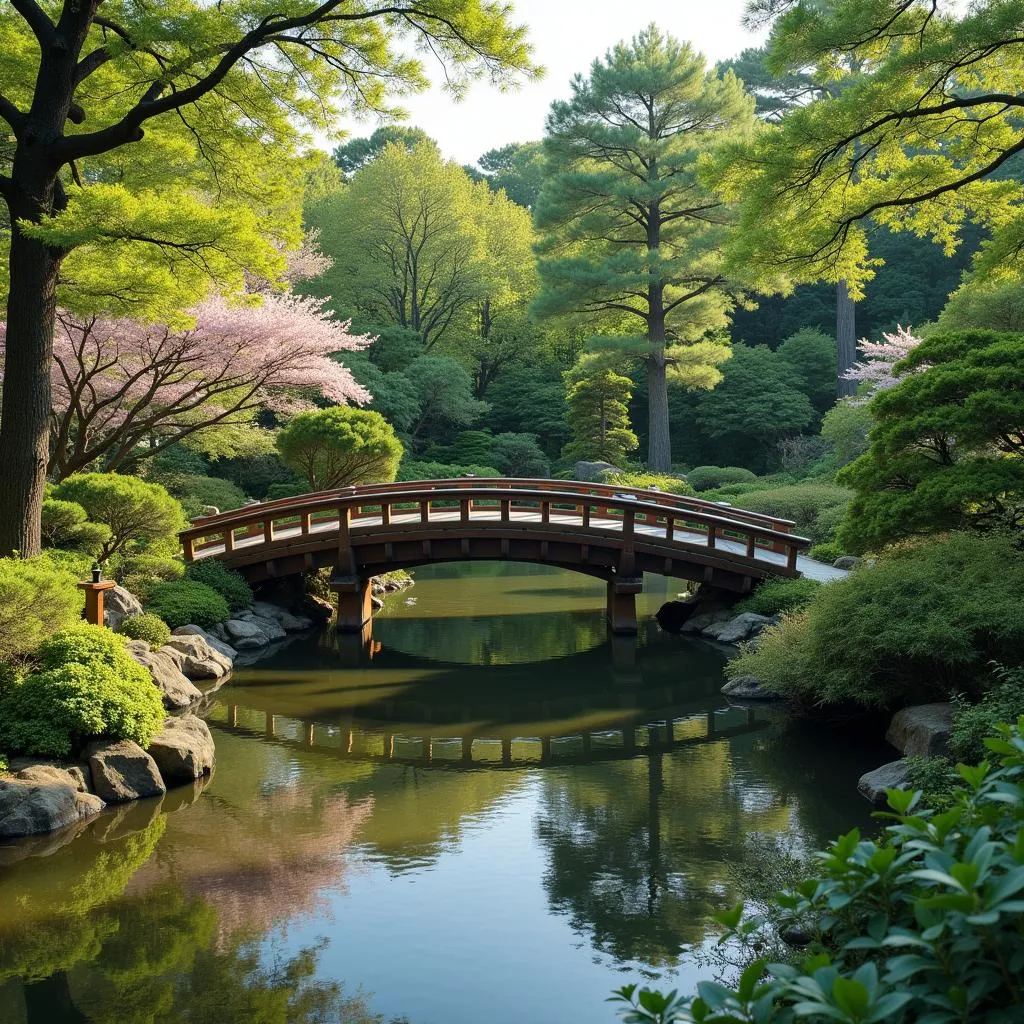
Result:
{"points": [[879, 359], [119, 385]]}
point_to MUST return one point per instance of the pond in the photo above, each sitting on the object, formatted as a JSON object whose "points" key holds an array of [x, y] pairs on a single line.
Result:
{"points": [[492, 812]]}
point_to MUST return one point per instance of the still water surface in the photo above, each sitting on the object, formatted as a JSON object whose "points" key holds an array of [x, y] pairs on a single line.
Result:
{"points": [[501, 815]]}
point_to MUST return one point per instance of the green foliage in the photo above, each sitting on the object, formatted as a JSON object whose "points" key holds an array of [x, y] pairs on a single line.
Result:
{"points": [[65, 525], [810, 356], [277, 491], [340, 446], [810, 506], [946, 450], [444, 391], [845, 427], [89, 688], [984, 305], [355, 154], [37, 597], [925, 916], [137, 573], [627, 240], [707, 478], [654, 481], [827, 552], [470, 446], [139, 515], [229, 584], [413, 469], [519, 455], [517, 169], [775, 596], [598, 414], [921, 624], [254, 474], [973, 722], [936, 778], [196, 492], [187, 603], [148, 627]]}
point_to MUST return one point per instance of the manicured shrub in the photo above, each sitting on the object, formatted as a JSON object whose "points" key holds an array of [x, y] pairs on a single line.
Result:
{"points": [[411, 469], [519, 455], [804, 504], [827, 552], [923, 623], [146, 626], [772, 597], [973, 722], [197, 493], [229, 584], [706, 478], [254, 474], [276, 491], [921, 924], [65, 525], [655, 481], [140, 515], [37, 597], [187, 602], [89, 688], [139, 573]]}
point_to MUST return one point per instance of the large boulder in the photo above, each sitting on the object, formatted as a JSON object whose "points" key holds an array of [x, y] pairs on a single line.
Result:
{"points": [[748, 688], [847, 562], [673, 615], [41, 798], [873, 785], [266, 610], [123, 771], [698, 623], [197, 658], [295, 623], [272, 629], [245, 635], [736, 630], [219, 645], [183, 750], [588, 471], [118, 604], [177, 690], [922, 730]]}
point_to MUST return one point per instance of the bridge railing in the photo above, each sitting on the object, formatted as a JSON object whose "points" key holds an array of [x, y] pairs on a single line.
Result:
{"points": [[407, 508]]}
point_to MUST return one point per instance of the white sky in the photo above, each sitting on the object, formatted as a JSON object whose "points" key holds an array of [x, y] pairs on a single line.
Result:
{"points": [[566, 35]]}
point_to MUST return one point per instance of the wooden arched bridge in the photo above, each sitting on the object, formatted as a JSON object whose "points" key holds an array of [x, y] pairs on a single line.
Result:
{"points": [[614, 533]]}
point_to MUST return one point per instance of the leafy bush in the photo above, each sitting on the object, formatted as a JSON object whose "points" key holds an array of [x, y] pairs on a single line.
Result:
{"points": [[292, 490], [37, 597], [519, 455], [139, 515], [826, 524], [922, 924], [921, 624], [973, 722], [199, 492], [845, 428], [65, 525], [827, 552], [656, 481], [255, 474], [229, 584], [935, 778], [774, 596], [187, 602], [89, 688], [148, 627], [138, 573], [410, 469], [804, 504], [707, 478]]}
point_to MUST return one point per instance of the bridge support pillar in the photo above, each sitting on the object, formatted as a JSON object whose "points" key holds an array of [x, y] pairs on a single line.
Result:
{"points": [[355, 605], [622, 593]]}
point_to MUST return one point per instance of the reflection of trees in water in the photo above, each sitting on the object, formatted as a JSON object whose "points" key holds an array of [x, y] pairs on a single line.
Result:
{"points": [[638, 850]]}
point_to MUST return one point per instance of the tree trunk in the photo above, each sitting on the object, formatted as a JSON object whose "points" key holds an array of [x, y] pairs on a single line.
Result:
{"points": [[846, 339], [27, 405], [659, 449]]}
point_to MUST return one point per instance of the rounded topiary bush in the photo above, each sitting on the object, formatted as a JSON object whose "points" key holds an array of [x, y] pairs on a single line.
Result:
{"points": [[187, 602], [707, 478], [84, 644], [229, 584], [148, 627]]}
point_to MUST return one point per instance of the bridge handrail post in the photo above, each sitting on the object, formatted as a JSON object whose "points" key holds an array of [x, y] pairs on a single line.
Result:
{"points": [[425, 511], [506, 509], [465, 505], [585, 513], [268, 528]]}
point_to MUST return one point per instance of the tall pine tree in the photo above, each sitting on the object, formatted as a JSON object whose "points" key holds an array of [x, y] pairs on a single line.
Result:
{"points": [[632, 236]]}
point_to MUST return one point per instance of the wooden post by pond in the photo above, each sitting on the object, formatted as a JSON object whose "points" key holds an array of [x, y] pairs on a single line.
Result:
{"points": [[355, 604], [94, 590]]}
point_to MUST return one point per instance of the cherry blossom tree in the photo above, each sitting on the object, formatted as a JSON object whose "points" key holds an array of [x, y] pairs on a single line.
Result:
{"points": [[876, 368], [124, 390]]}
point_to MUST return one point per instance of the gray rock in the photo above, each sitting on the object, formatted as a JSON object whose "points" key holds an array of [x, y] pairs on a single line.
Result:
{"points": [[266, 610], [846, 562], [218, 631], [872, 785], [240, 630], [183, 750], [178, 692], [245, 616], [738, 629], [592, 470], [698, 623], [36, 769], [295, 623], [271, 628], [214, 641], [40, 799], [123, 771], [199, 659], [922, 730], [119, 603], [748, 688]]}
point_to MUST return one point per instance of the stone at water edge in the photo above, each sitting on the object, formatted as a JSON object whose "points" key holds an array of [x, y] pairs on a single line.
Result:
{"points": [[123, 771], [266, 610], [118, 604], [738, 629], [922, 730], [241, 630], [673, 615], [748, 688], [846, 562], [177, 691], [873, 784], [698, 623], [271, 628], [295, 623], [42, 798], [198, 658], [219, 645], [183, 750]]}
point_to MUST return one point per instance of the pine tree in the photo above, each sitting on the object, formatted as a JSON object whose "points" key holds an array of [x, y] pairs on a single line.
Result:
{"points": [[599, 417], [633, 236]]}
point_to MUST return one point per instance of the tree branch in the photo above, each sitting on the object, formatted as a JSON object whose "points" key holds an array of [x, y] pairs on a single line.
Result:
{"points": [[12, 115], [42, 28]]}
